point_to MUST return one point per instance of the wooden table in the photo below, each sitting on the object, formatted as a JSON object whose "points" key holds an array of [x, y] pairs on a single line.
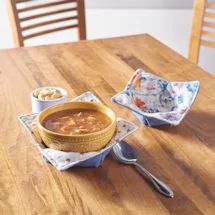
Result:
{"points": [[182, 156]]}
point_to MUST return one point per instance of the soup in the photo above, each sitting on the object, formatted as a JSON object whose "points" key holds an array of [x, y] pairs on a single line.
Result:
{"points": [[74, 122]]}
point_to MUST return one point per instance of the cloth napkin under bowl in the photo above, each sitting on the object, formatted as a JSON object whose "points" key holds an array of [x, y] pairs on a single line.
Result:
{"points": [[65, 160]]}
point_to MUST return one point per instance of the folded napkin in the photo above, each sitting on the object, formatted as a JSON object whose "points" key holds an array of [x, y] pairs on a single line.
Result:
{"points": [[65, 160]]}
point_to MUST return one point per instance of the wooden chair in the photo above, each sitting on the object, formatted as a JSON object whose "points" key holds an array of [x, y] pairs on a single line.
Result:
{"points": [[202, 33], [73, 9]]}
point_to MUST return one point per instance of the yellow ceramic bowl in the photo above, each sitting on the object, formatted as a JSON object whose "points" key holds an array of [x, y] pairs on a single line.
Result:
{"points": [[81, 142]]}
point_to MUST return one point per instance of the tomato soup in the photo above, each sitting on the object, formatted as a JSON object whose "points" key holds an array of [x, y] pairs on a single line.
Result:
{"points": [[74, 122]]}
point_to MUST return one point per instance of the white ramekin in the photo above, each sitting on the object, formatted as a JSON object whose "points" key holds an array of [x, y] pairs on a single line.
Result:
{"points": [[39, 105]]}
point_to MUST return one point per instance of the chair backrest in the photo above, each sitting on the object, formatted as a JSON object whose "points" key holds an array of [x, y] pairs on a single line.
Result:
{"points": [[203, 27], [27, 16]]}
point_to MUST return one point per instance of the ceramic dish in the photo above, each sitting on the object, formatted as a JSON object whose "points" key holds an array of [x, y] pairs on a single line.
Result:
{"points": [[39, 105], [65, 160], [77, 142], [156, 101]]}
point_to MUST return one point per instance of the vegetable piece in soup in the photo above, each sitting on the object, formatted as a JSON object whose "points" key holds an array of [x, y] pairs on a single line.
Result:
{"points": [[74, 122]]}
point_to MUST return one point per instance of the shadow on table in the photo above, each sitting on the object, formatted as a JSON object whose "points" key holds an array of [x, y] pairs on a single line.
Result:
{"points": [[196, 123], [124, 189]]}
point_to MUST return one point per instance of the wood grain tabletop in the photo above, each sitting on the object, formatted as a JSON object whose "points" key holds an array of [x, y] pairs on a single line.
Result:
{"points": [[183, 156]]}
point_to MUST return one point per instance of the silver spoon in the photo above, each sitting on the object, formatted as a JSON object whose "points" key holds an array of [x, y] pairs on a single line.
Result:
{"points": [[124, 153]]}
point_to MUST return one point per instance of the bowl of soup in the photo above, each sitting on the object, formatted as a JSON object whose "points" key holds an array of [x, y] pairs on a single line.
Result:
{"points": [[77, 126]]}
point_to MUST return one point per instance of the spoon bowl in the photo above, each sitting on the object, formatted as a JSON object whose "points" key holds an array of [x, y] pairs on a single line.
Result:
{"points": [[125, 153]]}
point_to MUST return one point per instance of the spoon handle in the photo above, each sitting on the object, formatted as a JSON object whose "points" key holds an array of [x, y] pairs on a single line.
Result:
{"points": [[158, 184]]}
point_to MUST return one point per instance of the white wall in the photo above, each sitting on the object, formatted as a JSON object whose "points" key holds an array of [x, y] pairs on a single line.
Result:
{"points": [[149, 4], [5, 28]]}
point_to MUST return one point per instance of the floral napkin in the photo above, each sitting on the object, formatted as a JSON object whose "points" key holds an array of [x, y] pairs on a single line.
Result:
{"points": [[156, 101]]}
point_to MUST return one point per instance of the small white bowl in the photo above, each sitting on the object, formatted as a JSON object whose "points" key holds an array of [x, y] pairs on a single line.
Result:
{"points": [[39, 105]]}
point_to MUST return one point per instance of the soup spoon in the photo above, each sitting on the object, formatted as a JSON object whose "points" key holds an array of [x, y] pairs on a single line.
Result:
{"points": [[124, 153]]}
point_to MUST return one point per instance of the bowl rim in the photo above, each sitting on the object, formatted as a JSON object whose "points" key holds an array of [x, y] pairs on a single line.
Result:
{"points": [[113, 121], [63, 91]]}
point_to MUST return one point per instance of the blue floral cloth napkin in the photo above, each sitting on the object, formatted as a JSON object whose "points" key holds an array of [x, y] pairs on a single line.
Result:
{"points": [[156, 101], [65, 160]]}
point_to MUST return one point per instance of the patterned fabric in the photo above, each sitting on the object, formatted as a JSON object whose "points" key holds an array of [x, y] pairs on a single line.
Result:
{"points": [[156, 101], [65, 160]]}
